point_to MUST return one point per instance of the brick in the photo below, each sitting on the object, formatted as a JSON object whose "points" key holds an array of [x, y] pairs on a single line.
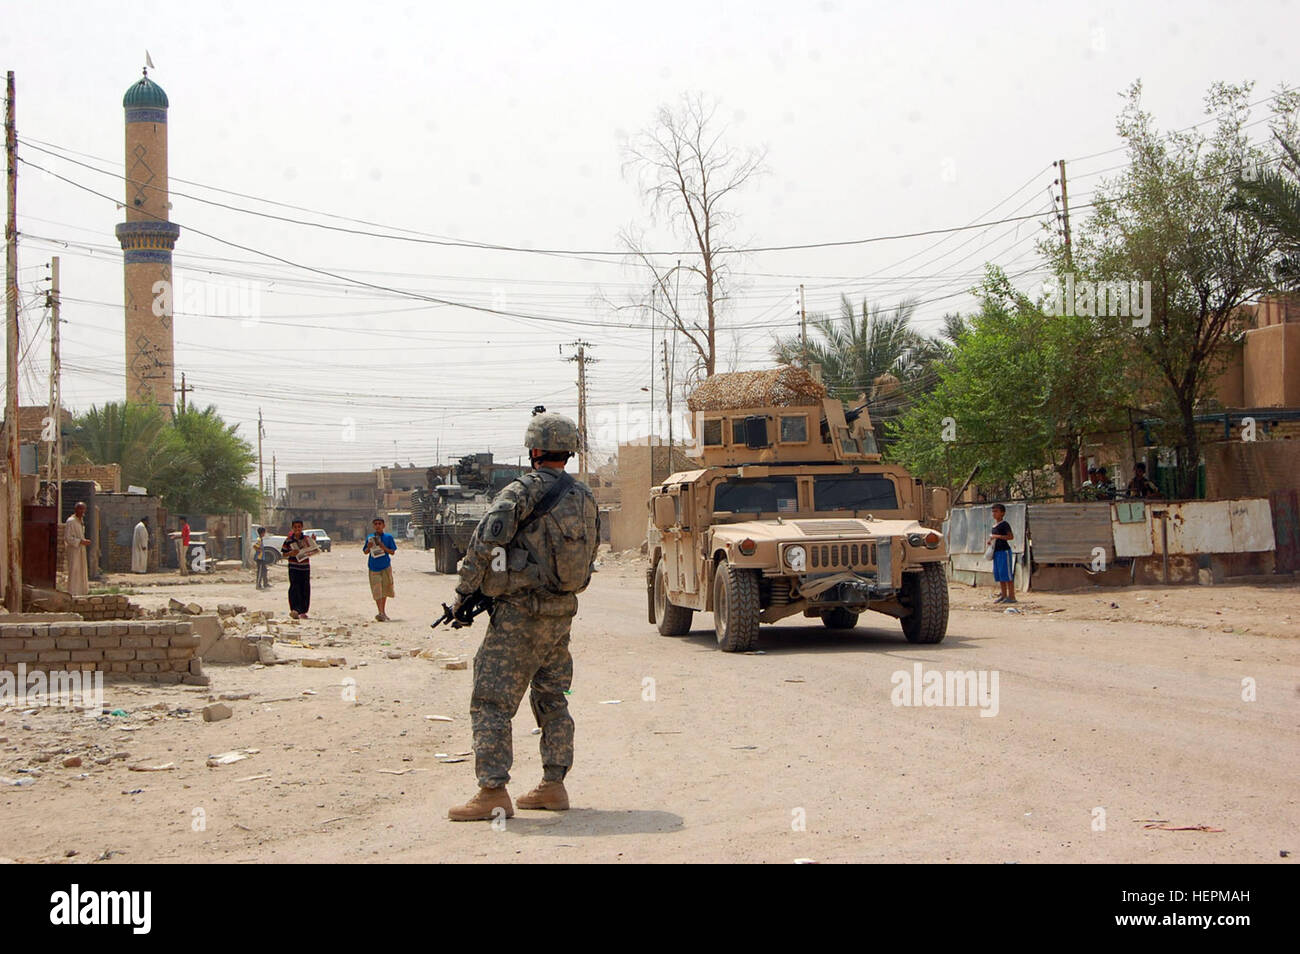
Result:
{"points": [[137, 642], [119, 655], [196, 666], [87, 655], [180, 665], [11, 644], [151, 654], [15, 631], [20, 656], [105, 642], [161, 642], [120, 629], [72, 642], [134, 666], [117, 667], [38, 642], [184, 642], [64, 629], [54, 655], [183, 629], [169, 677], [150, 667], [185, 654], [91, 666], [190, 679]]}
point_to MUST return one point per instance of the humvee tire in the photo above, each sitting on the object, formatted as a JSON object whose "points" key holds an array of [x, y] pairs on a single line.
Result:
{"points": [[736, 607], [839, 618], [925, 593], [671, 620]]}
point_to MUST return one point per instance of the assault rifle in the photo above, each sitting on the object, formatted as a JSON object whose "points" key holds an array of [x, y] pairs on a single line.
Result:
{"points": [[471, 606]]}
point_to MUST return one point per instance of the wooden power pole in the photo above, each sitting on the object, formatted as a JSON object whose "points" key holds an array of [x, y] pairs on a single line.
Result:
{"points": [[1065, 214], [583, 360], [14, 510], [53, 495]]}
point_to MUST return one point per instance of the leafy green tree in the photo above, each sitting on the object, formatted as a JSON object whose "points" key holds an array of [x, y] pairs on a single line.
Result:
{"points": [[1172, 219], [194, 462], [1019, 393]]}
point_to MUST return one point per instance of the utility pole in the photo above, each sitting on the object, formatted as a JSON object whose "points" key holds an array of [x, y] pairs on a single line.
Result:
{"points": [[1065, 213], [650, 434], [54, 447], [273, 480], [803, 326], [183, 389], [583, 361], [668, 389], [261, 478], [14, 511]]}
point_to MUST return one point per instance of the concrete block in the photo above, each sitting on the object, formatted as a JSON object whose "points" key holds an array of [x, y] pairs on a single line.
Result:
{"points": [[87, 655], [169, 677], [105, 642], [149, 667], [54, 655], [137, 642], [72, 642], [119, 655], [20, 656], [39, 642], [196, 667], [11, 644], [216, 712], [154, 654]]}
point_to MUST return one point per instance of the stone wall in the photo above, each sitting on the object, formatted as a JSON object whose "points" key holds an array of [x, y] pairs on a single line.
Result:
{"points": [[117, 516], [152, 651], [104, 607]]}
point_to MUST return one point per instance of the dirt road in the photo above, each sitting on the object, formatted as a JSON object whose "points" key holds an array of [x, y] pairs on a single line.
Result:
{"points": [[1108, 718]]}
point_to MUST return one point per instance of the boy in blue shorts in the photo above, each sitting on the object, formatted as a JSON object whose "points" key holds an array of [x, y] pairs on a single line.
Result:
{"points": [[1000, 538]]}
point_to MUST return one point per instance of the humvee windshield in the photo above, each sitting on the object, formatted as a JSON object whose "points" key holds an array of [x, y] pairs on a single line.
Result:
{"points": [[757, 495], [854, 492]]}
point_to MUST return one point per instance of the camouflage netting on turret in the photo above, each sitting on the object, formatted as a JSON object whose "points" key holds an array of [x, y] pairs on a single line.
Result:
{"points": [[784, 386]]}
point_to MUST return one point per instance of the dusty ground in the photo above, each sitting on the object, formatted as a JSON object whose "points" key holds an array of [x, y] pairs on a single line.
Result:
{"points": [[1135, 708]]}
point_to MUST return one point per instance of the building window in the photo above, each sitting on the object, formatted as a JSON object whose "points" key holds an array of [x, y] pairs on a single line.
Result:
{"points": [[358, 494], [306, 495]]}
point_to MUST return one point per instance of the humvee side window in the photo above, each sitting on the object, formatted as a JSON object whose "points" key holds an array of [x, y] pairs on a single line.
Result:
{"points": [[713, 431], [854, 492], [738, 431], [757, 495], [794, 429]]}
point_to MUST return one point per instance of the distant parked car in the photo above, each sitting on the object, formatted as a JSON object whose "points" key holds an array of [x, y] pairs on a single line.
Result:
{"points": [[321, 537]]}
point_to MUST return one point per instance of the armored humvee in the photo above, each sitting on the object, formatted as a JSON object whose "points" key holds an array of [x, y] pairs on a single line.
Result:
{"points": [[449, 512], [792, 511]]}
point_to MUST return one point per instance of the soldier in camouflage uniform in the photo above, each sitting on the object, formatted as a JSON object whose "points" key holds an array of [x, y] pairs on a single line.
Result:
{"points": [[520, 558]]}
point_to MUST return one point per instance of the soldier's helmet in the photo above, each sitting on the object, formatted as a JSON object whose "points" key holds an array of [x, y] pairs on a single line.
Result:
{"points": [[551, 432]]}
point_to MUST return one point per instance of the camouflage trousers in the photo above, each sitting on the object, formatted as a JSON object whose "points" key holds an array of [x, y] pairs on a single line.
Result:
{"points": [[523, 647]]}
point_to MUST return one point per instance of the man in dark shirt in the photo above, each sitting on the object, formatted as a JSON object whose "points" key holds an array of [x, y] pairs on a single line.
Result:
{"points": [[1000, 538], [299, 571], [1140, 486]]}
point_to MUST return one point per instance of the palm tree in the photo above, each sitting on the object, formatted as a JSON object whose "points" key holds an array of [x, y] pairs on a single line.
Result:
{"points": [[870, 354], [1273, 197], [130, 435]]}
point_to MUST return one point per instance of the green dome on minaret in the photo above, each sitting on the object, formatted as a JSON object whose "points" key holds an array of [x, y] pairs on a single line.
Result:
{"points": [[144, 94]]}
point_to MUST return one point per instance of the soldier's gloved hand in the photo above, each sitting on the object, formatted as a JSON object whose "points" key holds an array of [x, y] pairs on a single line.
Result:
{"points": [[460, 608]]}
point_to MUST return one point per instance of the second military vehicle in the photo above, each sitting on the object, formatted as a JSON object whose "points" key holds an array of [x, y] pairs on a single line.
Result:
{"points": [[792, 512], [448, 513]]}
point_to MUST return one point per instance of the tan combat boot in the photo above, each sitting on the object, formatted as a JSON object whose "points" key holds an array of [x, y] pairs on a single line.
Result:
{"points": [[550, 796], [482, 806]]}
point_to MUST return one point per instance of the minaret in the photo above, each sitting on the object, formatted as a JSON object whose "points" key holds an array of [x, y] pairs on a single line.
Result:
{"points": [[147, 239]]}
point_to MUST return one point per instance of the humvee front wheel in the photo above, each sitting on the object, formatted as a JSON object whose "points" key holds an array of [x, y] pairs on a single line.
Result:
{"points": [[839, 618], [671, 620], [736, 607], [925, 593]]}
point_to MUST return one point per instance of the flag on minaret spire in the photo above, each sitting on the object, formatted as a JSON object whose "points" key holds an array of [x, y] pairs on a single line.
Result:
{"points": [[147, 61]]}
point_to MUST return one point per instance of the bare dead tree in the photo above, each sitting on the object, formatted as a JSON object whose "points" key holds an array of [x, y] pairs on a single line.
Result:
{"points": [[689, 176]]}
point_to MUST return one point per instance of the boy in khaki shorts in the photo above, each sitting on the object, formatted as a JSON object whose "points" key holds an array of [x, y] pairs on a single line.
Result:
{"points": [[380, 547]]}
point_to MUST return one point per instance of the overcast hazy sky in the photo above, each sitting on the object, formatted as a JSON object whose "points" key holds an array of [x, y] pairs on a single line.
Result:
{"points": [[502, 123]]}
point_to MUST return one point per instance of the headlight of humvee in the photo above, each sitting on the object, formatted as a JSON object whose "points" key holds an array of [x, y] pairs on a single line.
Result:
{"points": [[796, 558]]}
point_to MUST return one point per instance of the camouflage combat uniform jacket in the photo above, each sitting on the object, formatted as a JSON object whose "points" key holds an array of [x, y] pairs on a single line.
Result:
{"points": [[527, 641]]}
